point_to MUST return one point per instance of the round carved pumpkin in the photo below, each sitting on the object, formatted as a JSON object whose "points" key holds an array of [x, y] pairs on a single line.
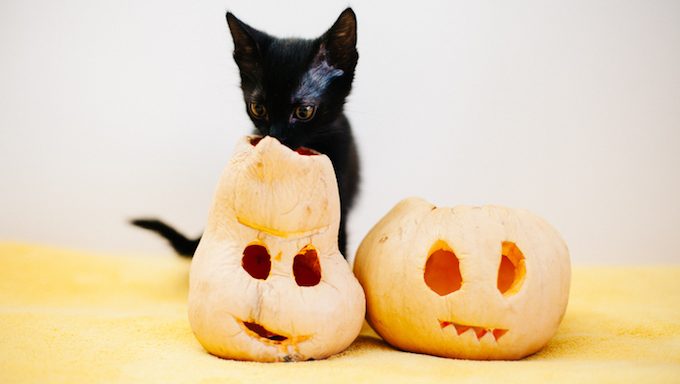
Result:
{"points": [[464, 282], [267, 282]]}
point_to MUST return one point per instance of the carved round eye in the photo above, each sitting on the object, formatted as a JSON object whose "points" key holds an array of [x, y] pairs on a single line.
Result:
{"points": [[306, 267], [305, 112], [442, 272], [257, 110], [256, 261], [511, 270]]}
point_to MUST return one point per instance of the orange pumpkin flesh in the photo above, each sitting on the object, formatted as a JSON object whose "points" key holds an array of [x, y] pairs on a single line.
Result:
{"points": [[506, 274], [442, 272], [511, 270]]}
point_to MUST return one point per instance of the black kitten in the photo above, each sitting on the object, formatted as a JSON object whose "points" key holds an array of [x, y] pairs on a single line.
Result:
{"points": [[295, 90]]}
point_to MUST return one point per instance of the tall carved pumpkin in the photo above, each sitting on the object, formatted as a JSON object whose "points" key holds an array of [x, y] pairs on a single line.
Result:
{"points": [[267, 282], [465, 282]]}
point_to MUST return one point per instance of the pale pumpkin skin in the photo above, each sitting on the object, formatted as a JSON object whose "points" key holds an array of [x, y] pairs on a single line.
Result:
{"points": [[408, 314], [284, 201]]}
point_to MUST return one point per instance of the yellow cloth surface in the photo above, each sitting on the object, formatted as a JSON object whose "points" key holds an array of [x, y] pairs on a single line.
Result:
{"points": [[75, 317]]}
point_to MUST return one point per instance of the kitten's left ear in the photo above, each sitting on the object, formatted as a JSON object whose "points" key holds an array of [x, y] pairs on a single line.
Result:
{"points": [[340, 41]]}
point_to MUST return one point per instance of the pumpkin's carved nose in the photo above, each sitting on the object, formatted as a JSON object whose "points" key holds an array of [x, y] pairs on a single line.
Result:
{"points": [[256, 261]]}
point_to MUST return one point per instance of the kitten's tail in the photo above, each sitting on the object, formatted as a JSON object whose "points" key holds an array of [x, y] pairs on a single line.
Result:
{"points": [[182, 245]]}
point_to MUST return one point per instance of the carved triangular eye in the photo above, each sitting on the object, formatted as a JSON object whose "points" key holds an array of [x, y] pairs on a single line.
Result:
{"points": [[256, 261], [306, 267], [442, 270], [511, 270]]}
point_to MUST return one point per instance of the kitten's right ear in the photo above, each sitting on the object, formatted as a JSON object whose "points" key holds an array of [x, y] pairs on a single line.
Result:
{"points": [[247, 43]]}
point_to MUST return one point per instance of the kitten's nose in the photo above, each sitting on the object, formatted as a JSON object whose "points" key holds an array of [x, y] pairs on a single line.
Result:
{"points": [[280, 133], [276, 130]]}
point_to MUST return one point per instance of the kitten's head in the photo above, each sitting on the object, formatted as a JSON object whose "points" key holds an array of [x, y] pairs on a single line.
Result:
{"points": [[293, 88]]}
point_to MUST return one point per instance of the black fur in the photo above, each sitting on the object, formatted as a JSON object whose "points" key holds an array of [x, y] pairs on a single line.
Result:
{"points": [[280, 75], [181, 244]]}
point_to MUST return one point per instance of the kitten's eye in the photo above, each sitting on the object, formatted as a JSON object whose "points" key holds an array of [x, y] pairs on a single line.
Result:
{"points": [[257, 110], [305, 112]]}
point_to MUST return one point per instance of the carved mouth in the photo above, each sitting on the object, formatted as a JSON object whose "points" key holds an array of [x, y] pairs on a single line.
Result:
{"points": [[478, 331], [257, 330]]}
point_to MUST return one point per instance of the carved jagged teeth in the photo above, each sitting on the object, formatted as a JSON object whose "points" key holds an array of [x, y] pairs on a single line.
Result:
{"points": [[498, 333], [479, 331]]}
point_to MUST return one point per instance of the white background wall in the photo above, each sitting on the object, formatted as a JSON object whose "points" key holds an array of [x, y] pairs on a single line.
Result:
{"points": [[571, 109]]}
